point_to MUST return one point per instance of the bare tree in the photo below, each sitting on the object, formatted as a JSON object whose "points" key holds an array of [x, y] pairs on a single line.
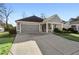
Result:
{"points": [[1, 15], [23, 15], [43, 16], [1, 9], [6, 13]]}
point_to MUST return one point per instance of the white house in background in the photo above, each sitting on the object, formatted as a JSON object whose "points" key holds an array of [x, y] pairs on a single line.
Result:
{"points": [[67, 25], [34, 24], [1, 28], [72, 24], [75, 25]]}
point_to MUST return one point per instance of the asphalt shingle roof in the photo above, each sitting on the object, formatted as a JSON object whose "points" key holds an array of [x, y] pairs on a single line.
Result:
{"points": [[32, 19], [54, 18]]}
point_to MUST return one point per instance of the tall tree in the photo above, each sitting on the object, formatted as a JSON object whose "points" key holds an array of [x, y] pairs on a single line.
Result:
{"points": [[6, 13], [1, 15], [1, 9]]}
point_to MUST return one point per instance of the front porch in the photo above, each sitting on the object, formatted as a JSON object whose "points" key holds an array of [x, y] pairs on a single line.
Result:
{"points": [[49, 26]]}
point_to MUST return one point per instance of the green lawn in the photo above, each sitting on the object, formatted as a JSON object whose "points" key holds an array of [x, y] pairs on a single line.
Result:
{"points": [[5, 43], [70, 36]]}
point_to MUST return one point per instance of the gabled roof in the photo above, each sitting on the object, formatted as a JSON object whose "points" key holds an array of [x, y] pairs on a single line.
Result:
{"points": [[54, 18], [74, 22], [32, 19]]}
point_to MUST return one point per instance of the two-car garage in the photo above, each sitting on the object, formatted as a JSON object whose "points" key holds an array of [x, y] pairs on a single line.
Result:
{"points": [[29, 24], [29, 28]]}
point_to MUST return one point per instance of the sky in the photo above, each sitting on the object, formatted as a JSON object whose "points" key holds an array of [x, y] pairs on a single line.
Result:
{"points": [[64, 10]]}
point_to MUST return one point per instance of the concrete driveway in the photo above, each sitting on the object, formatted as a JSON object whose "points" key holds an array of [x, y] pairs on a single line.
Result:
{"points": [[48, 44]]}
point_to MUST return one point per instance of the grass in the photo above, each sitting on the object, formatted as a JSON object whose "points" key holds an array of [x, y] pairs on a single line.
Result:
{"points": [[70, 36], [6, 41]]}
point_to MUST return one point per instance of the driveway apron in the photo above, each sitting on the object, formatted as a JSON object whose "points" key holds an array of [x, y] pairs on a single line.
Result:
{"points": [[46, 44]]}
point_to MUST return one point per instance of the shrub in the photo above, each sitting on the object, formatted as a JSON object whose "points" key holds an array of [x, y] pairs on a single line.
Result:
{"points": [[65, 30], [57, 30], [72, 30], [12, 30], [6, 28]]}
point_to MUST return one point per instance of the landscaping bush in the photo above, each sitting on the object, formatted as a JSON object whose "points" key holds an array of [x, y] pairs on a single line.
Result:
{"points": [[6, 28], [69, 30], [72, 30], [57, 30], [12, 30], [65, 30]]}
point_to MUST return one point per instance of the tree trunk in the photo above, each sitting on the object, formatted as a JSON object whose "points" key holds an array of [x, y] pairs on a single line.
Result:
{"points": [[7, 22]]}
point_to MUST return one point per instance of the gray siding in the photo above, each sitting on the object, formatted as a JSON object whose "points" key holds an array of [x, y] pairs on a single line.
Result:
{"points": [[29, 28], [54, 18]]}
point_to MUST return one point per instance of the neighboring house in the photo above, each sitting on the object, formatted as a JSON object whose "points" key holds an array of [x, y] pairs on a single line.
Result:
{"points": [[75, 25], [1, 27], [67, 25], [36, 24]]}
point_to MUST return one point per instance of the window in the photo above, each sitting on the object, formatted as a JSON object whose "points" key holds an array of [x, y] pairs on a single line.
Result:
{"points": [[74, 27]]}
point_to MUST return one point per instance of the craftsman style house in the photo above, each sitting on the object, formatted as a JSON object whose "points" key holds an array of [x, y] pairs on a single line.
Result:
{"points": [[34, 24]]}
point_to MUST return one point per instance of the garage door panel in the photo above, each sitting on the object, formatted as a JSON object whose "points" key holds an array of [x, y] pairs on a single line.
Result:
{"points": [[30, 28]]}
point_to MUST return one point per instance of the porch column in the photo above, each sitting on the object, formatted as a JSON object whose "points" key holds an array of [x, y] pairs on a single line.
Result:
{"points": [[46, 27], [20, 27], [40, 28], [51, 27]]}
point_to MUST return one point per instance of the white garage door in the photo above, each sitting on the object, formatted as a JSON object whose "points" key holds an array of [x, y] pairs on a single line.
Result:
{"points": [[29, 28]]}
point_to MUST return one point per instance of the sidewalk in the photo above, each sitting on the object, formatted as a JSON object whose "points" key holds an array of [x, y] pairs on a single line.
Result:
{"points": [[25, 48]]}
